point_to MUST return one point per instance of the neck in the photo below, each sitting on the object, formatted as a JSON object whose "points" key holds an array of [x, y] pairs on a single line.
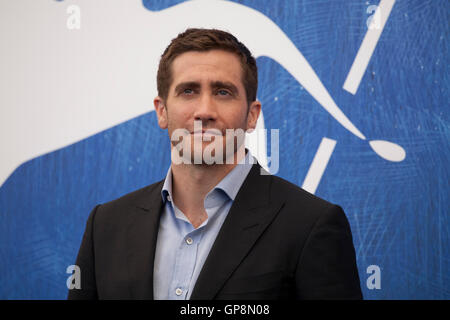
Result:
{"points": [[191, 183]]}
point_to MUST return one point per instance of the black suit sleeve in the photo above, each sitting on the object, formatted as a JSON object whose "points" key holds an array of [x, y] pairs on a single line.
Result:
{"points": [[327, 265], [85, 260]]}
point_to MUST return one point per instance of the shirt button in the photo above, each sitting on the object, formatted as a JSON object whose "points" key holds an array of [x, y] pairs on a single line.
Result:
{"points": [[178, 292], [169, 198], [189, 241]]}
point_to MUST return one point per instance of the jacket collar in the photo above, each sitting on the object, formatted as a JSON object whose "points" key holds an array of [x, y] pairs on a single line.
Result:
{"points": [[252, 211], [142, 232]]}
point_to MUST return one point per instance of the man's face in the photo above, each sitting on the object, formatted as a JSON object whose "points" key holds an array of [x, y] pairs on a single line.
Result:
{"points": [[206, 87]]}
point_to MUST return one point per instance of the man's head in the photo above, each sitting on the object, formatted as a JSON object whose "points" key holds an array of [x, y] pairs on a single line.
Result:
{"points": [[202, 40], [207, 77]]}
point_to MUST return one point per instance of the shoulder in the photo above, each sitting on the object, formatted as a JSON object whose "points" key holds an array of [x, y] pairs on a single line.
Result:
{"points": [[137, 197], [303, 207], [121, 207], [304, 213], [292, 193]]}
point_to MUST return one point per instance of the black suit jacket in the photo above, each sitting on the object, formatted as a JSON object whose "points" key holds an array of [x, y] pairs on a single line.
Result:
{"points": [[277, 242]]}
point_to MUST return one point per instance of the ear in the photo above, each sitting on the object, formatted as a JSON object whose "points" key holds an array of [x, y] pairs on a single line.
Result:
{"points": [[161, 112], [253, 114]]}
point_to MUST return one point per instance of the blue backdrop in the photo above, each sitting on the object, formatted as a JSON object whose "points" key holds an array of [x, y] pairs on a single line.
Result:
{"points": [[398, 211]]}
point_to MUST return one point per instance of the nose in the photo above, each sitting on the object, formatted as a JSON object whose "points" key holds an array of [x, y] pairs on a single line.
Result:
{"points": [[206, 110]]}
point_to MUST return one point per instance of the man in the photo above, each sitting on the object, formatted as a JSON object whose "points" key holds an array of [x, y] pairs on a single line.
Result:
{"points": [[218, 226]]}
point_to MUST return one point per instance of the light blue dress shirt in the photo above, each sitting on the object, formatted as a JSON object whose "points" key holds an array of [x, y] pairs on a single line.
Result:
{"points": [[181, 250]]}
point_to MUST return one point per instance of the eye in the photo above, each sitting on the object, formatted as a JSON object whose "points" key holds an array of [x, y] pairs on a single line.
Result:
{"points": [[188, 91], [223, 92]]}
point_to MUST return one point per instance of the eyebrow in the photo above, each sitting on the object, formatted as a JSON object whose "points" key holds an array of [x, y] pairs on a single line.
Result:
{"points": [[188, 84], [214, 85], [225, 84]]}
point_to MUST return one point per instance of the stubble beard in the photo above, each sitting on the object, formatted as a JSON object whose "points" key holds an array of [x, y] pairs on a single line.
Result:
{"points": [[207, 149]]}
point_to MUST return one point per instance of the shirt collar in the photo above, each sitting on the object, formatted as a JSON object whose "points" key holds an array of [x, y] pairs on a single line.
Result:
{"points": [[166, 191], [232, 182]]}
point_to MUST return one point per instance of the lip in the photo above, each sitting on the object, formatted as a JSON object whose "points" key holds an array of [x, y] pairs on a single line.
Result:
{"points": [[206, 132]]}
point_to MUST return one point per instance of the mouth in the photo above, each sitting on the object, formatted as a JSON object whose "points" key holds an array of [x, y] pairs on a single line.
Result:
{"points": [[210, 132]]}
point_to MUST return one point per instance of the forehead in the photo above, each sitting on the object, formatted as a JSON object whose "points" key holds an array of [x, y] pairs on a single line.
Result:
{"points": [[213, 65]]}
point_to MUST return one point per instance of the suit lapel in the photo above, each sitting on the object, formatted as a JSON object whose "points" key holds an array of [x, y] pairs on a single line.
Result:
{"points": [[142, 233], [250, 214]]}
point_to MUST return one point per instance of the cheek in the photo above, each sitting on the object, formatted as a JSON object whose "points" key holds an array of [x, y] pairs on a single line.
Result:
{"points": [[238, 118], [177, 119]]}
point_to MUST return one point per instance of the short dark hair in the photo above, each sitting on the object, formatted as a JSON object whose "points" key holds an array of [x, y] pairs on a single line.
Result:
{"points": [[205, 40]]}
